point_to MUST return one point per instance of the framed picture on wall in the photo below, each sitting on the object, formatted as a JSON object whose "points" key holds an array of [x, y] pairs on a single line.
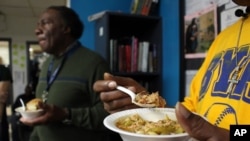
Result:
{"points": [[200, 30]]}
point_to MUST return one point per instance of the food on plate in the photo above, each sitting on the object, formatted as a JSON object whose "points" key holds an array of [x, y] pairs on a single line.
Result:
{"points": [[153, 98], [136, 124], [33, 104]]}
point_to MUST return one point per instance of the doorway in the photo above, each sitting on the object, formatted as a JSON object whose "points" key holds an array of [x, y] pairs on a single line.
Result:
{"points": [[5, 51], [5, 54]]}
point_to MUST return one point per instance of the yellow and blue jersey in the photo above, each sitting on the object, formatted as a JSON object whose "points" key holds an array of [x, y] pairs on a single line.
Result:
{"points": [[210, 92]]}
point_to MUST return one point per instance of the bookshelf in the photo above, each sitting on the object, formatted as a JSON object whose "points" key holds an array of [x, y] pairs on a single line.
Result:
{"points": [[116, 30]]}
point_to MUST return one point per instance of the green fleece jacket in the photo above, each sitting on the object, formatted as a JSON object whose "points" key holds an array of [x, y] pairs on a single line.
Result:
{"points": [[73, 88]]}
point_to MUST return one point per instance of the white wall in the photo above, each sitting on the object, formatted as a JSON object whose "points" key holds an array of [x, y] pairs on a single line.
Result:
{"points": [[20, 29]]}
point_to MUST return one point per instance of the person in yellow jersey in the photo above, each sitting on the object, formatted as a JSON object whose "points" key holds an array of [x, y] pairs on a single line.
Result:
{"points": [[219, 93]]}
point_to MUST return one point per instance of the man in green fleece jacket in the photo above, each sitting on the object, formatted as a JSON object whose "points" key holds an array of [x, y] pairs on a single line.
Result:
{"points": [[73, 111]]}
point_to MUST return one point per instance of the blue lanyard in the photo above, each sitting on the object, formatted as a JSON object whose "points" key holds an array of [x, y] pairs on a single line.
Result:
{"points": [[52, 76]]}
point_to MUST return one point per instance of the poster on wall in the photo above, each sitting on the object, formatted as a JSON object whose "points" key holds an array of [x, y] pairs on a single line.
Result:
{"points": [[200, 30]]}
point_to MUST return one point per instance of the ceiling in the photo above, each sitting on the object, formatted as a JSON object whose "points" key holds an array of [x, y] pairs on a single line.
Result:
{"points": [[26, 8]]}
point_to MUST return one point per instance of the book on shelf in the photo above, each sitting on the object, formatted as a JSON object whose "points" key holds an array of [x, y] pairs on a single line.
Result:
{"points": [[144, 7], [139, 64], [134, 6], [127, 60], [145, 51], [121, 58], [134, 54], [139, 7], [113, 55], [152, 58], [150, 62], [147, 57]]}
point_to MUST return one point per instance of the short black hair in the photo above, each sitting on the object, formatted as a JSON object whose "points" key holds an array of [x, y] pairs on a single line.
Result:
{"points": [[71, 19]]}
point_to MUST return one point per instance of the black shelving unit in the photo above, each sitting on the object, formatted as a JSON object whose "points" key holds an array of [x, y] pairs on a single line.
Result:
{"points": [[115, 25]]}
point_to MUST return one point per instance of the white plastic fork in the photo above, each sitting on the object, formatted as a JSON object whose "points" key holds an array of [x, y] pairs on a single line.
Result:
{"points": [[133, 95]]}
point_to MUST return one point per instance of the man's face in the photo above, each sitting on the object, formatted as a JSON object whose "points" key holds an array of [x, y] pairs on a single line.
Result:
{"points": [[50, 31]]}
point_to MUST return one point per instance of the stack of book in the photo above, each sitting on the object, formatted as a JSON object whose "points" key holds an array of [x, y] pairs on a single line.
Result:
{"points": [[131, 55]]}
